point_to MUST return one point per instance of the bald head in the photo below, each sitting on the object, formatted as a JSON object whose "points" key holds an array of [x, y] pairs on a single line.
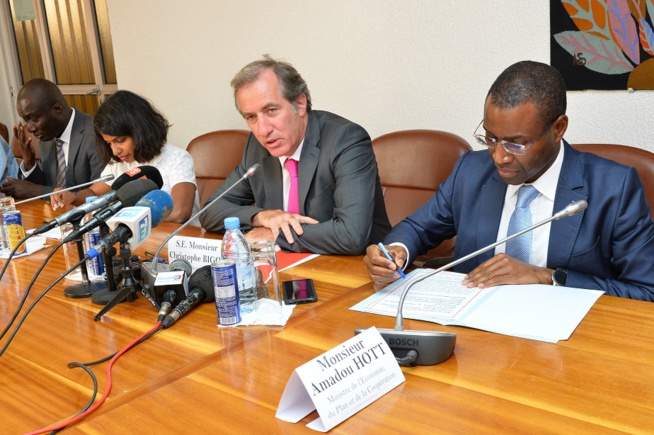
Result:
{"points": [[43, 108], [42, 92]]}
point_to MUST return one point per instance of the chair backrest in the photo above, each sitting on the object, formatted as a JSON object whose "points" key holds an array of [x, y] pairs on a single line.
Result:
{"points": [[215, 155], [638, 158], [412, 164]]}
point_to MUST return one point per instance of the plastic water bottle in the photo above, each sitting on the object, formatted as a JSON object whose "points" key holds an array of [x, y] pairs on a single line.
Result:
{"points": [[236, 248], [94, 267]]}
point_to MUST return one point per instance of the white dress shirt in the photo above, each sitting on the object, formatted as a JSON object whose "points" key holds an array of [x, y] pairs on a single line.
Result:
{"points": [[541, 208], [65, 138]]}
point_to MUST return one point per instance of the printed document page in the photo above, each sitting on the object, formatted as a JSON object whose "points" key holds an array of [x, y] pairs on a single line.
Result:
{"points": [[534, 311]]}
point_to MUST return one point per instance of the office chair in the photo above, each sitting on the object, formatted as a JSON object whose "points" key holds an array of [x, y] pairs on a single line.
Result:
{"points": [[412, 165], [215, 155], [638, 158]]}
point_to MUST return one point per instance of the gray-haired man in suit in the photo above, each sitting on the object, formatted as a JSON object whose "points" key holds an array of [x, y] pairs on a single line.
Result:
{"points": [[67, 143], [340, 207]]}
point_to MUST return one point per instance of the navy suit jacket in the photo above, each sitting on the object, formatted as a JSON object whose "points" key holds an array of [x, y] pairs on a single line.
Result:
{"points": [[338, 186], [609, 246], [84, 162]]}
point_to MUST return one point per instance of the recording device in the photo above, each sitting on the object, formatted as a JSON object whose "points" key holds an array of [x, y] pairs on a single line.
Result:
{"points": [[300, 291], [127, 196], [170, 278], [200, 290], [132, 225], [150, 269], [431, 347], [99, 180]]}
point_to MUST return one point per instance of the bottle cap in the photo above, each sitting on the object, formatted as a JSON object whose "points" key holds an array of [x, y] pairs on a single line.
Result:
{"points": [[232, 223]]}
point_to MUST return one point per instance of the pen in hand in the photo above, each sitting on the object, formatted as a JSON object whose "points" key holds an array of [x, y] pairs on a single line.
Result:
{"points": [[388, 255]]}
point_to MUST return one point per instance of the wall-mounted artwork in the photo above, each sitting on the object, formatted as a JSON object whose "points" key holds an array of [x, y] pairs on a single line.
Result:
{"points": [[603, 44]]}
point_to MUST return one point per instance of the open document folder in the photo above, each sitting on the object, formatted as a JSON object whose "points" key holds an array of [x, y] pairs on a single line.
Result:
{"points": [[534, 311]]}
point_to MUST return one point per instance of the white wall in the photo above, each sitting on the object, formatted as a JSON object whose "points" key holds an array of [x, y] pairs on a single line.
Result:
{"points": [[387, 65]]}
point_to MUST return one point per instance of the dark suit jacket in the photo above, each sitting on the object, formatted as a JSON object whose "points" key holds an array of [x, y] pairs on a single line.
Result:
{"points": [[609, 246], [84, 163], [338, 182]]}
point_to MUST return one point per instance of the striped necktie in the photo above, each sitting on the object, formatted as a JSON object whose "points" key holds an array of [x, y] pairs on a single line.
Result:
{"points": [[520, 247], [61, 164], [293, 193]]}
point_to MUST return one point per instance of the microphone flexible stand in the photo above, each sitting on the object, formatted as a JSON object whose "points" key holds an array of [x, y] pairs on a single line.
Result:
{"points": [[149, 269], [99, 180], [432, 347]]}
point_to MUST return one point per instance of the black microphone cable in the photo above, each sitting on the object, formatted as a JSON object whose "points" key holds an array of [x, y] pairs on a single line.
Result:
{"points": [[11, 254], [96, 405], [108, 357], [409, 359], [43, 293], [27, 292]]}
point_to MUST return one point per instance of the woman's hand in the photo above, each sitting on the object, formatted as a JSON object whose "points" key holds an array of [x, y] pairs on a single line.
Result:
{"points": [[62, 199]]}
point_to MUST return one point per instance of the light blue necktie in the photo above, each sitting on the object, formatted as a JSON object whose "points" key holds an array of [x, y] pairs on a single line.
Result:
{"points": [[61, 164], [520, 247]]}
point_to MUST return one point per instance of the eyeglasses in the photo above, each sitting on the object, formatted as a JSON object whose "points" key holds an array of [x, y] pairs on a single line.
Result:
{"points": [[510, 147]]}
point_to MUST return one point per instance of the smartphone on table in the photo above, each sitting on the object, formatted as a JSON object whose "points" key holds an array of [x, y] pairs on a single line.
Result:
{"points": [[299, 291]]}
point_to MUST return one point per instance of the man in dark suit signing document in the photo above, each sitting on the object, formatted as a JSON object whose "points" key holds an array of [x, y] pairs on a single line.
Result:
{"points": [[528, 173]]}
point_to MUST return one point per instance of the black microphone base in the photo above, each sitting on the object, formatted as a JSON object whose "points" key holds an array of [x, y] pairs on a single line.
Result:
{"points": [[84, 289], [103, 297], [432, 347]]}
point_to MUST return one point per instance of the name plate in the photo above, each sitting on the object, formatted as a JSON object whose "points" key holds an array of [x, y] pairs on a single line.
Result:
{"points": [[199, 252], [341, 382]]}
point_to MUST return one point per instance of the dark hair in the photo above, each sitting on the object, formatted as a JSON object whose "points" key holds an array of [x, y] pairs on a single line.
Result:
{"points": [[529, 81], [291, 83], [127, 114]]}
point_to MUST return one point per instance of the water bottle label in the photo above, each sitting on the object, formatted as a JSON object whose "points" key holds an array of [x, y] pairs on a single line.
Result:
{"points": [[245, 275]]}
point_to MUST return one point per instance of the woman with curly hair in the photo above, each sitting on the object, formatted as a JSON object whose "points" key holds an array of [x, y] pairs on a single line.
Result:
{"points": [[131, 133]]}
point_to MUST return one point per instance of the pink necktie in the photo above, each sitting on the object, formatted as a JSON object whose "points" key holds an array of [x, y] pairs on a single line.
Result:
{"points": [[293, 193]]}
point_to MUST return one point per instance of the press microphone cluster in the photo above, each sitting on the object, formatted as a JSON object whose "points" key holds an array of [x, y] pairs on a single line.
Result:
{"points": [[132, 225], [201, 290], [432, 347], [149, 269], [127, 189]]}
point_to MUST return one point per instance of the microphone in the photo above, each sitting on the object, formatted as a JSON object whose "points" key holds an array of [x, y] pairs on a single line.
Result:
{"points": [[78, 213], [167, 303], [149, 269], [127, 196], [140, 172], [133, 224], [170, 281], [200, 290], [431, 347], [99, 180]]}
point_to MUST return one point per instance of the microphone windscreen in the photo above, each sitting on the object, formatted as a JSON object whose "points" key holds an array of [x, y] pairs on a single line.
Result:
{"points": [[130, 193], [159, 202], [181, 264], [140, 172], [201, 279]]}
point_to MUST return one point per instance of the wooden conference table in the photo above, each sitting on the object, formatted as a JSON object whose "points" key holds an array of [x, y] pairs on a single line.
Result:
{"points": [[197, 378]]}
